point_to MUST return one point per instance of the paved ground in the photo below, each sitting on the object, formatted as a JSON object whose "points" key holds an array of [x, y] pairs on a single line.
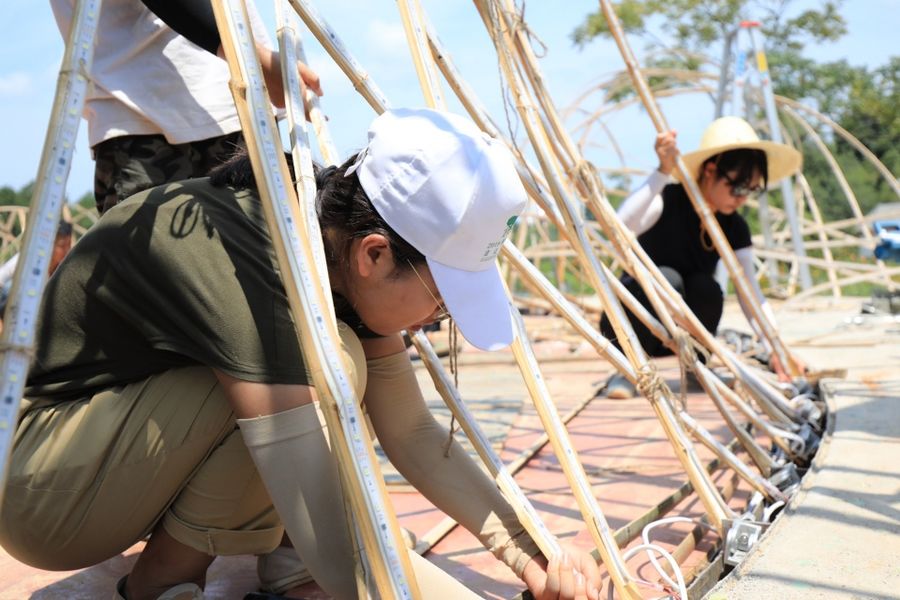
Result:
{"points": [[841, 537]]}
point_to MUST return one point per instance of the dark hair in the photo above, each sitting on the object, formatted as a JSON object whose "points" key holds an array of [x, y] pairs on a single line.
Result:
{"points": [[345, 212], [344, 209], [744, 161], [63, 229]]}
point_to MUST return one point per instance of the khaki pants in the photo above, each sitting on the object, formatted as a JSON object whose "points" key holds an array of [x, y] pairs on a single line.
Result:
{"points": [[89, 478]]}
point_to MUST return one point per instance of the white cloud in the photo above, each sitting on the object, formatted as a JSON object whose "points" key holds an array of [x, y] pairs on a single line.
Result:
{"points": [[387, 38], [15, 84]]}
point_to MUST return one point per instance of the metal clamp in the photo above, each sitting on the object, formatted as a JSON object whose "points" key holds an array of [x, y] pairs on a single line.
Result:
{"points": [[786, 479], [741, 537]]}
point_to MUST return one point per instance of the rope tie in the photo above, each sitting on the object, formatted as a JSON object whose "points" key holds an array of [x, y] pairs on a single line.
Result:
{"points": [[688, 349], [454, 369], [584, 176], [25, 349], [649, 383], [517, 18]]}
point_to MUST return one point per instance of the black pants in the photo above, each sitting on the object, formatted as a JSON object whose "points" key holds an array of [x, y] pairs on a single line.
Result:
{"points": [[701, 293]]}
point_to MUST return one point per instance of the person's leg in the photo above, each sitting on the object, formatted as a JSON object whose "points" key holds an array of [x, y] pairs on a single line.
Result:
{"points": [[649, 342], [89, 478], [130, 164], [704, 296]]}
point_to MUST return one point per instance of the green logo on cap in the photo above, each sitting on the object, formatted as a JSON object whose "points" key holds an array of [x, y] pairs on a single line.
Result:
{"points": [[512, 221]]}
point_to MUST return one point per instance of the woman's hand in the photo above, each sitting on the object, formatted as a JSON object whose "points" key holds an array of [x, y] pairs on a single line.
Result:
{"points": [[270, 61], [667, 151], [782, 373], [573, 575]]}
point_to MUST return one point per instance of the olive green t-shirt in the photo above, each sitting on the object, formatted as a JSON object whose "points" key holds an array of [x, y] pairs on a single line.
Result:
{"points": [[179, 275]]}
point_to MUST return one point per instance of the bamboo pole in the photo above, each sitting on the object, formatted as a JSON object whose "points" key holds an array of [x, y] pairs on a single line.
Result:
{"points": [[410, 15], [300, 149], [316, 330], [17, 340], [820, 232], [842, 182], [568, 459], [291, 50]]}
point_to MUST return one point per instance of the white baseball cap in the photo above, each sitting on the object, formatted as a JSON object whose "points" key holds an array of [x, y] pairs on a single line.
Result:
{"points": [[453, 193]]}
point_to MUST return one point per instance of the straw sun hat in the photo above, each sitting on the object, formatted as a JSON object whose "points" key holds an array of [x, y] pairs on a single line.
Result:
{"points": [[732, 133]]}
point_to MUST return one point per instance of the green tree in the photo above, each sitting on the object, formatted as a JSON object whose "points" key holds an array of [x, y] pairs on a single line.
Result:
{"points": [[689, 28]]}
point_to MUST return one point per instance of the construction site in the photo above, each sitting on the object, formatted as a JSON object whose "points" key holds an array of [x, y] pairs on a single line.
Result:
{"points": [[755, 459]]}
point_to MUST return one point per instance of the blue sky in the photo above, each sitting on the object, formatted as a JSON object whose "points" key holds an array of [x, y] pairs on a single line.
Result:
{"points": [[373, 32]]}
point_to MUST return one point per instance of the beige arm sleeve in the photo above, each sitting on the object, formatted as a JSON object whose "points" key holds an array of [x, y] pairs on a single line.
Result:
{"points": [[414, 442]]}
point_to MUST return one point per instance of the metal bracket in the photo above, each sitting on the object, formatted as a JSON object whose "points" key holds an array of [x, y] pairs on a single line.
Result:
{"points": [[811, 441], [786, 479], [741, 537], [807, 408]]}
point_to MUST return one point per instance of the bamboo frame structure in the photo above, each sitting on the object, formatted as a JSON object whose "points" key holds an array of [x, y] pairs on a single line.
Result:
{"points": [[769, 397], [342, 60], [560, 186], [712, 501], [604, 215], [842, 182]]}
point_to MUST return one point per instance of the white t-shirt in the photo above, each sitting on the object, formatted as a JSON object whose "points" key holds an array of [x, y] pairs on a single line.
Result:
{"points": [[7, 270], [147, 79]]}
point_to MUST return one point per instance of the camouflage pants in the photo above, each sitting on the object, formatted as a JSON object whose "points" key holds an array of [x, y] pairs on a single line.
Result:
{"points": [[129, 164]]}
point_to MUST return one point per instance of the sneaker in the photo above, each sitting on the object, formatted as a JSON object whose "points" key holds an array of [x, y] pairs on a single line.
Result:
{"points": [[184, 591], [619, 388]]}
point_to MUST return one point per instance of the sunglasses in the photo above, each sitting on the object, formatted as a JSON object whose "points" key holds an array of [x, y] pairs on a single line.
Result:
{"points": [[743, 189], [440, 313]]}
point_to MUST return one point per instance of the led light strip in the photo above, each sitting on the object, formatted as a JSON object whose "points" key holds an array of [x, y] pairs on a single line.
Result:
{"points": [[17, 340], [300, 147]]}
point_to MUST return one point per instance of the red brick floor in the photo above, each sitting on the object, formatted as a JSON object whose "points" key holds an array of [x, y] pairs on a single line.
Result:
{"points": [[628, 459]]}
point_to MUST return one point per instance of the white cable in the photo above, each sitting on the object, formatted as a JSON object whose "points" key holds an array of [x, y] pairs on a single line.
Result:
{"points": [[682, 588], [645, 535]]}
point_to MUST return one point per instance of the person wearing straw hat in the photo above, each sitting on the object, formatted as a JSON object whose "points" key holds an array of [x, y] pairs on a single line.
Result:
{"points": [[186, 413], [731, 165]]}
